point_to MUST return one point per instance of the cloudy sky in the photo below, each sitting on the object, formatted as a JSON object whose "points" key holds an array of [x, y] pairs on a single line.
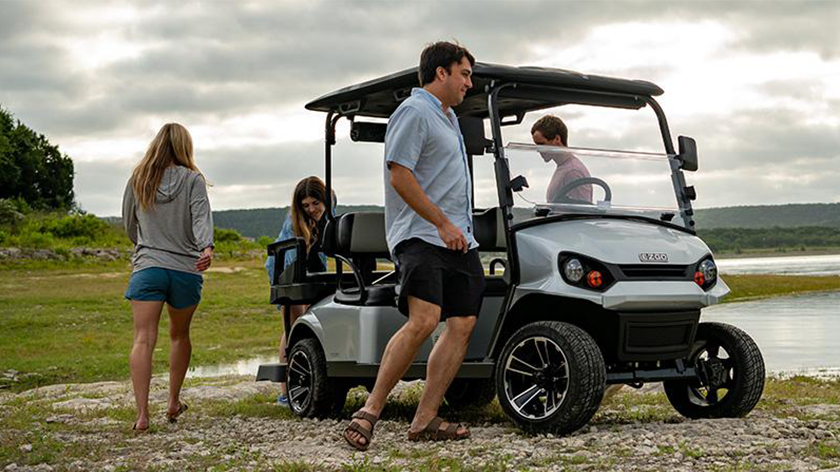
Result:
{"points": [[757, 84]]}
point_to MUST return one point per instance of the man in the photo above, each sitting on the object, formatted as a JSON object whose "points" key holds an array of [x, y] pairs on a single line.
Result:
{"points": [[428, 221], [551, 131]]}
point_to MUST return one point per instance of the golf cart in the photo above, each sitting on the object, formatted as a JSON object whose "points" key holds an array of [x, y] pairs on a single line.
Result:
{"points": [[580, 294]]}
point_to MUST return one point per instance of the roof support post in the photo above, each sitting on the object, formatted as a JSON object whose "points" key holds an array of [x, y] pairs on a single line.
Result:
{"points": [[329, 141]]}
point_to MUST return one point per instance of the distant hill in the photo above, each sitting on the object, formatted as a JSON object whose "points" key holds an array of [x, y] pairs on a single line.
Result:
{"points": [[768, 216], [267, 221]]}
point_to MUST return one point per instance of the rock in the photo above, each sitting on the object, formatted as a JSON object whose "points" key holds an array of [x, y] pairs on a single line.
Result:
{"points": [[26, 448], [84, 404]]}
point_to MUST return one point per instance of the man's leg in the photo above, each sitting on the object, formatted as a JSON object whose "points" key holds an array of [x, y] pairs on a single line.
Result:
{"points": [[445, 360], [399, 354]]}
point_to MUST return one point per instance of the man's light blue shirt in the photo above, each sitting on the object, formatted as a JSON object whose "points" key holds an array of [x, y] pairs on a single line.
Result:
{"points": [[427, 141]]}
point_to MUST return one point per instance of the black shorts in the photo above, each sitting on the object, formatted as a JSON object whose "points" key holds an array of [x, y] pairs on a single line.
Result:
{"points": [[449, 279]]}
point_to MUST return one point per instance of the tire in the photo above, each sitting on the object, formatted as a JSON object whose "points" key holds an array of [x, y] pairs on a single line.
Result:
{"points": [[572, 380], [470, 393], [739, 375], [311, 393]]}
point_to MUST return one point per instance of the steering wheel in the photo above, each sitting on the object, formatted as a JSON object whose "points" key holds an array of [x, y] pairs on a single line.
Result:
{"points": [[584, 181]]}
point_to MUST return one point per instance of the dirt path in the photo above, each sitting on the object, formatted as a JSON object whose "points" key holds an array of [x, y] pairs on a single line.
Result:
{"points": [[232, 424]]}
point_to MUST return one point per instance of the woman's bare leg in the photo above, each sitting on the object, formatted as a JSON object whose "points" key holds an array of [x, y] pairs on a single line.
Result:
{"points": [[180, 351], [296, 311], [146, 317]]}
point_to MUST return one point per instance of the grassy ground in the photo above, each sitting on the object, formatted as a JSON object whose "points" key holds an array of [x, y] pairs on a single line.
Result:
{"points": [[748, 287], [34, 422], [68, 322], [73, 325]]}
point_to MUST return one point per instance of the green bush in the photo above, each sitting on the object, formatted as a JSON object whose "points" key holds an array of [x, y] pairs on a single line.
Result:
{"points": [[36, 240], [9, 212], [222, 235], [3, 237], [76, 226]]}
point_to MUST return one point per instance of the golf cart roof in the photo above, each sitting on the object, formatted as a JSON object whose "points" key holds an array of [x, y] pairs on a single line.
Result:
{"points": [[536, 88]]}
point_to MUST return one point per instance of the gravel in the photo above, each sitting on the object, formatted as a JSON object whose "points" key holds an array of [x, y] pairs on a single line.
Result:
{"points": [[204, 438]]}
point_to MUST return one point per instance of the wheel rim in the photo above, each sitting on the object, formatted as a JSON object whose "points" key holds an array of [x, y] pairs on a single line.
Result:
{"points": [[536, 378], [717, 368], [300, 381]]}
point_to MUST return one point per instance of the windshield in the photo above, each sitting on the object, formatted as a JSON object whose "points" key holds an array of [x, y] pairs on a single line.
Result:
{"points": [[581, 180]]}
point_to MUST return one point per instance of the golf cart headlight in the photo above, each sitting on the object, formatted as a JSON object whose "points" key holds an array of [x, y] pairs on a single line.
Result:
{"points": [[573, 270], [709, 270], [706, 274]]}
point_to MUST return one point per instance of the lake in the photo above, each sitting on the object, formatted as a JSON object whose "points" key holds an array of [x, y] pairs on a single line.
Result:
{"points": [[789, 265]]}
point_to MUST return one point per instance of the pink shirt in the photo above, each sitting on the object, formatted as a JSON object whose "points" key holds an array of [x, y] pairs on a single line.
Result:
{"points": [[568, 171]]}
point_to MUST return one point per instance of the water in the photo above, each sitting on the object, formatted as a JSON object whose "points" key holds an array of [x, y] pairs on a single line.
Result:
{"points": [[790, 265], [243, 367], [798, 334]]}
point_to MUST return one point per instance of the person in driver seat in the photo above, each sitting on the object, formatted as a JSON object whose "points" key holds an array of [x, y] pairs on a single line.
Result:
{"points": [[551, 131]]}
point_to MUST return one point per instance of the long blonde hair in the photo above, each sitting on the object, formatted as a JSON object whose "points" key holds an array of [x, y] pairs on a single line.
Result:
{"points": [[302, 224], [172, 146]]}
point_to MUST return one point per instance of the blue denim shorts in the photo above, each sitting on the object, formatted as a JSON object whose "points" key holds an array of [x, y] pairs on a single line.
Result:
{"points": [[178, 289]]}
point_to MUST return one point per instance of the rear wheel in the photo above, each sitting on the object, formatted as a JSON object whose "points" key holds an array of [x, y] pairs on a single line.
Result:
{"points": [[550, 378], [730, 375], [311, 393], [470, 392]]}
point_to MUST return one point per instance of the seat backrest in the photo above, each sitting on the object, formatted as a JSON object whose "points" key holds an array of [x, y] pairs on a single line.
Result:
{"points": [[489, 229], [361, 232]]}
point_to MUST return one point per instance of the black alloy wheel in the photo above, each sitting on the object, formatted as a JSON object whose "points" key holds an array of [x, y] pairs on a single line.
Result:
{"points": [[730, 377], [550, 378], [311, 393]]}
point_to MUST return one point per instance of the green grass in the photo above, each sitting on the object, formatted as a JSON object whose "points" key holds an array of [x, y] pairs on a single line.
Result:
{"points": [[747, 287], [75, 326]]}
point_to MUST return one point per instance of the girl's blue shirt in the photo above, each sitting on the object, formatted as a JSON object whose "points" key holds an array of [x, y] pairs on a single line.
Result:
{"points": [[286, 232]]}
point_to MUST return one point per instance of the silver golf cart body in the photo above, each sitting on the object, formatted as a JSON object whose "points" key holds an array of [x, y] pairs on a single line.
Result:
{"points": [[644, 319]]}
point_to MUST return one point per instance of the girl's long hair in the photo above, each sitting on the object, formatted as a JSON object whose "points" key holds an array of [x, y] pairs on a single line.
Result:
{"points": [[172, 146], [302, 224]]}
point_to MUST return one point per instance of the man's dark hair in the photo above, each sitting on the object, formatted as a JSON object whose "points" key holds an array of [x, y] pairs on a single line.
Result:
{"points": [[550, 127], [440, 54]]}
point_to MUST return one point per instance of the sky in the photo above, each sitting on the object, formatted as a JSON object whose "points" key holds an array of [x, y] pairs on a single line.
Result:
{"points": [[757, 84]]}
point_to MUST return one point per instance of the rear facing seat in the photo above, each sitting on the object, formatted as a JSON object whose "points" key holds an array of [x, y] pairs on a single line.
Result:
{"points": [[359, 237]]}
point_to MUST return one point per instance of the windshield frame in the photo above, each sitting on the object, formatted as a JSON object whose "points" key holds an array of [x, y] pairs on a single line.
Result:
{"points": [[502, 168]]}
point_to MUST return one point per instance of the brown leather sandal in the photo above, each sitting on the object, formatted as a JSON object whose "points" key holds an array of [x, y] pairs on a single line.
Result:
{"points": [[433, 432], [364, 432], [182, 407]]}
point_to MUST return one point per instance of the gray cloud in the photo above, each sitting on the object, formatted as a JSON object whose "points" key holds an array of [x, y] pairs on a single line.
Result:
{"points": [[208, 61]]}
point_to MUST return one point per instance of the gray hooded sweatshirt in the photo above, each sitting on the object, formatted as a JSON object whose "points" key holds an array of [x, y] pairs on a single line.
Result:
{"points": [[171, 234]]}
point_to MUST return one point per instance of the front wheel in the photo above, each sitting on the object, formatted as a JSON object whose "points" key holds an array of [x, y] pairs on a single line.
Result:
{"points": [[550, 378], [730, 375]]}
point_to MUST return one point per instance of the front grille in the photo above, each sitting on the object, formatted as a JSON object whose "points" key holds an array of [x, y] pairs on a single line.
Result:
{"points": [[655, 271]]}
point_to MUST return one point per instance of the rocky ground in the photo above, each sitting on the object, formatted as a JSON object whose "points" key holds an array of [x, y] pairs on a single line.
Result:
{"points": [[232, 424]]}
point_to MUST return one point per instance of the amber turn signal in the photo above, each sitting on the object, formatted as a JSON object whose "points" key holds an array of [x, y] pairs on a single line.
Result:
{"points": [[594, 279], [699, 279]]}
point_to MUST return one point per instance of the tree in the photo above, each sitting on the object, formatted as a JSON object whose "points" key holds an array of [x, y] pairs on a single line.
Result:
{"points": [[31, 168]]}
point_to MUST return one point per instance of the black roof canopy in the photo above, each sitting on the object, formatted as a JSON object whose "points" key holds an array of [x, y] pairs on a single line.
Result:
{"points": [[536, 88]]}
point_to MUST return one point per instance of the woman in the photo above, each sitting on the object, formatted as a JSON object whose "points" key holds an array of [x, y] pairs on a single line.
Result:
{"points": [[167, 216], [304, 220]]}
